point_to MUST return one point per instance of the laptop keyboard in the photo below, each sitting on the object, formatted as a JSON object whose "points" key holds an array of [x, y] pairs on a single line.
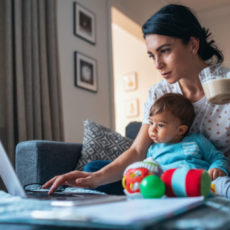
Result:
{"points": [[38, 188], [78, 196], [61, 190]]}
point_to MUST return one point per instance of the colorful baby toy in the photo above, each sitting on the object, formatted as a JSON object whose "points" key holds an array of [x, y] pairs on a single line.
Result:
{"points": [[152, 187], [184, 182], [146, 179], [136, 172]]}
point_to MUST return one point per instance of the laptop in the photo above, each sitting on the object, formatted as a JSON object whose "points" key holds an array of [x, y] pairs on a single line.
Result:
{"points": [[79, 197]]}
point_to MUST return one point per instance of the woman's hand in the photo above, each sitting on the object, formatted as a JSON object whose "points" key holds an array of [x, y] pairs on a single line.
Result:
{"points": [[215, 172], [73, 178]]}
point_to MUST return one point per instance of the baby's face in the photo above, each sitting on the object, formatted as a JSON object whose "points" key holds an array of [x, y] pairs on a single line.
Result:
{"points": [[164, 128]]}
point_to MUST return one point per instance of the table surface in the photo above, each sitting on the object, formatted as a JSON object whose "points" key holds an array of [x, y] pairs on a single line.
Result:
{"points": [[214, 214]]}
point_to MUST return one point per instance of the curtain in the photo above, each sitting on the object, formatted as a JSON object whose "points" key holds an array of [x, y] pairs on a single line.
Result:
{"points": [[30, 95]]}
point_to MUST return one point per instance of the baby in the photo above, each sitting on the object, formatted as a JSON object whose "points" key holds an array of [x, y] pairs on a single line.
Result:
{"points": [[170, 118]]}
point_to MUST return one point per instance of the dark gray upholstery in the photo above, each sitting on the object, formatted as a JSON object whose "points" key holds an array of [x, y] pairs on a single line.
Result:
{"points": [[37, 161], [132, 129]]}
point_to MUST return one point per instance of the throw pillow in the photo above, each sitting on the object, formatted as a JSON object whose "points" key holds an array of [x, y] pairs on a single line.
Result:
{"points": [[101, 143]]}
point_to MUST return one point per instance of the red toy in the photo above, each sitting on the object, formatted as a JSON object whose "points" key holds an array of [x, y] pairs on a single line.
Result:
{"points": [[136, 172]]}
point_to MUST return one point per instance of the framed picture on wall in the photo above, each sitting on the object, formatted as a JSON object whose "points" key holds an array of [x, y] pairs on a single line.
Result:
{"points": [[85, 72], [130, 81], [84, 23], [132, 107]]}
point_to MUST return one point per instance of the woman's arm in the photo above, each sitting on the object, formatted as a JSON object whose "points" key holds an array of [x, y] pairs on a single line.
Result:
{"points": [[108, 174]]}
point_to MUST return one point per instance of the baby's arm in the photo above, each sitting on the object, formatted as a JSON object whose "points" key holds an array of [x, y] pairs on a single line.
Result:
{"points": [[218, 162]]}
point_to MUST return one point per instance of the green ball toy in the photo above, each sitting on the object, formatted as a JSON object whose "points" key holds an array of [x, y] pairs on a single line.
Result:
{"points": [[152, 187]]}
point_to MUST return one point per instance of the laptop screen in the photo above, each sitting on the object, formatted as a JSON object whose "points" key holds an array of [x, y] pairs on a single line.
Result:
{"points": [[9, 176]]}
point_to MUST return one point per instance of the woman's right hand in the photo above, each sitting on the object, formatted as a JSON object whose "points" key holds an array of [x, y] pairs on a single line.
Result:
{"points": [[74, 179]]}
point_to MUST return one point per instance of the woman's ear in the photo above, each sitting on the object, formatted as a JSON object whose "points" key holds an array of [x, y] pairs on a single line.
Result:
{"points": [[195, 44], [182, 129]]}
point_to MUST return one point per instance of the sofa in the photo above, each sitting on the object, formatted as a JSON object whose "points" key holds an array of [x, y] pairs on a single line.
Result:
{"points": [[36, 161]]}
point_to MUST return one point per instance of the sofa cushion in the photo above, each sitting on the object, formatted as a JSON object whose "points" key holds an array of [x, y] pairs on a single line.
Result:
{"points": [[101, 143]]}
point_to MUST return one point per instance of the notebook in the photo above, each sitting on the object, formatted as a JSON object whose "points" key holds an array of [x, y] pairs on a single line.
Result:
{"points": [[78, 195]]}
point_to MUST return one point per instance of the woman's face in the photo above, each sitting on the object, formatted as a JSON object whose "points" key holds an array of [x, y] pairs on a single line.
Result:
{"points": [[171, 57]]}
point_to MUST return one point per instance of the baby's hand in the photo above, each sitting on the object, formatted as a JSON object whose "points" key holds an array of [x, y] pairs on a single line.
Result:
{"points": [[214, 173]]}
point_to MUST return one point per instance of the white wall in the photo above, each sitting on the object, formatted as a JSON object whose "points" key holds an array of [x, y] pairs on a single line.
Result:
{"points": [[130, 55], [79, 104]]}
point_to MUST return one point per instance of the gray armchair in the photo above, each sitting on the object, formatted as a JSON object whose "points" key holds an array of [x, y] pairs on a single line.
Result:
{"points": [[37, 161]]}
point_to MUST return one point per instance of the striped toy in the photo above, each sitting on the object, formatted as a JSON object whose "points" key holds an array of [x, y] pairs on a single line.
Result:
{"points": [[183, 182]]}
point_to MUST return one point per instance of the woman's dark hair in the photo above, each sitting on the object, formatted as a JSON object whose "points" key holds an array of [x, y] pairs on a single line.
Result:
{"points": [[178, 21]]}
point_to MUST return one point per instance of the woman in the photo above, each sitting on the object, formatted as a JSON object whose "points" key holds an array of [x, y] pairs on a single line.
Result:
{"points": [[179, 48]]}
